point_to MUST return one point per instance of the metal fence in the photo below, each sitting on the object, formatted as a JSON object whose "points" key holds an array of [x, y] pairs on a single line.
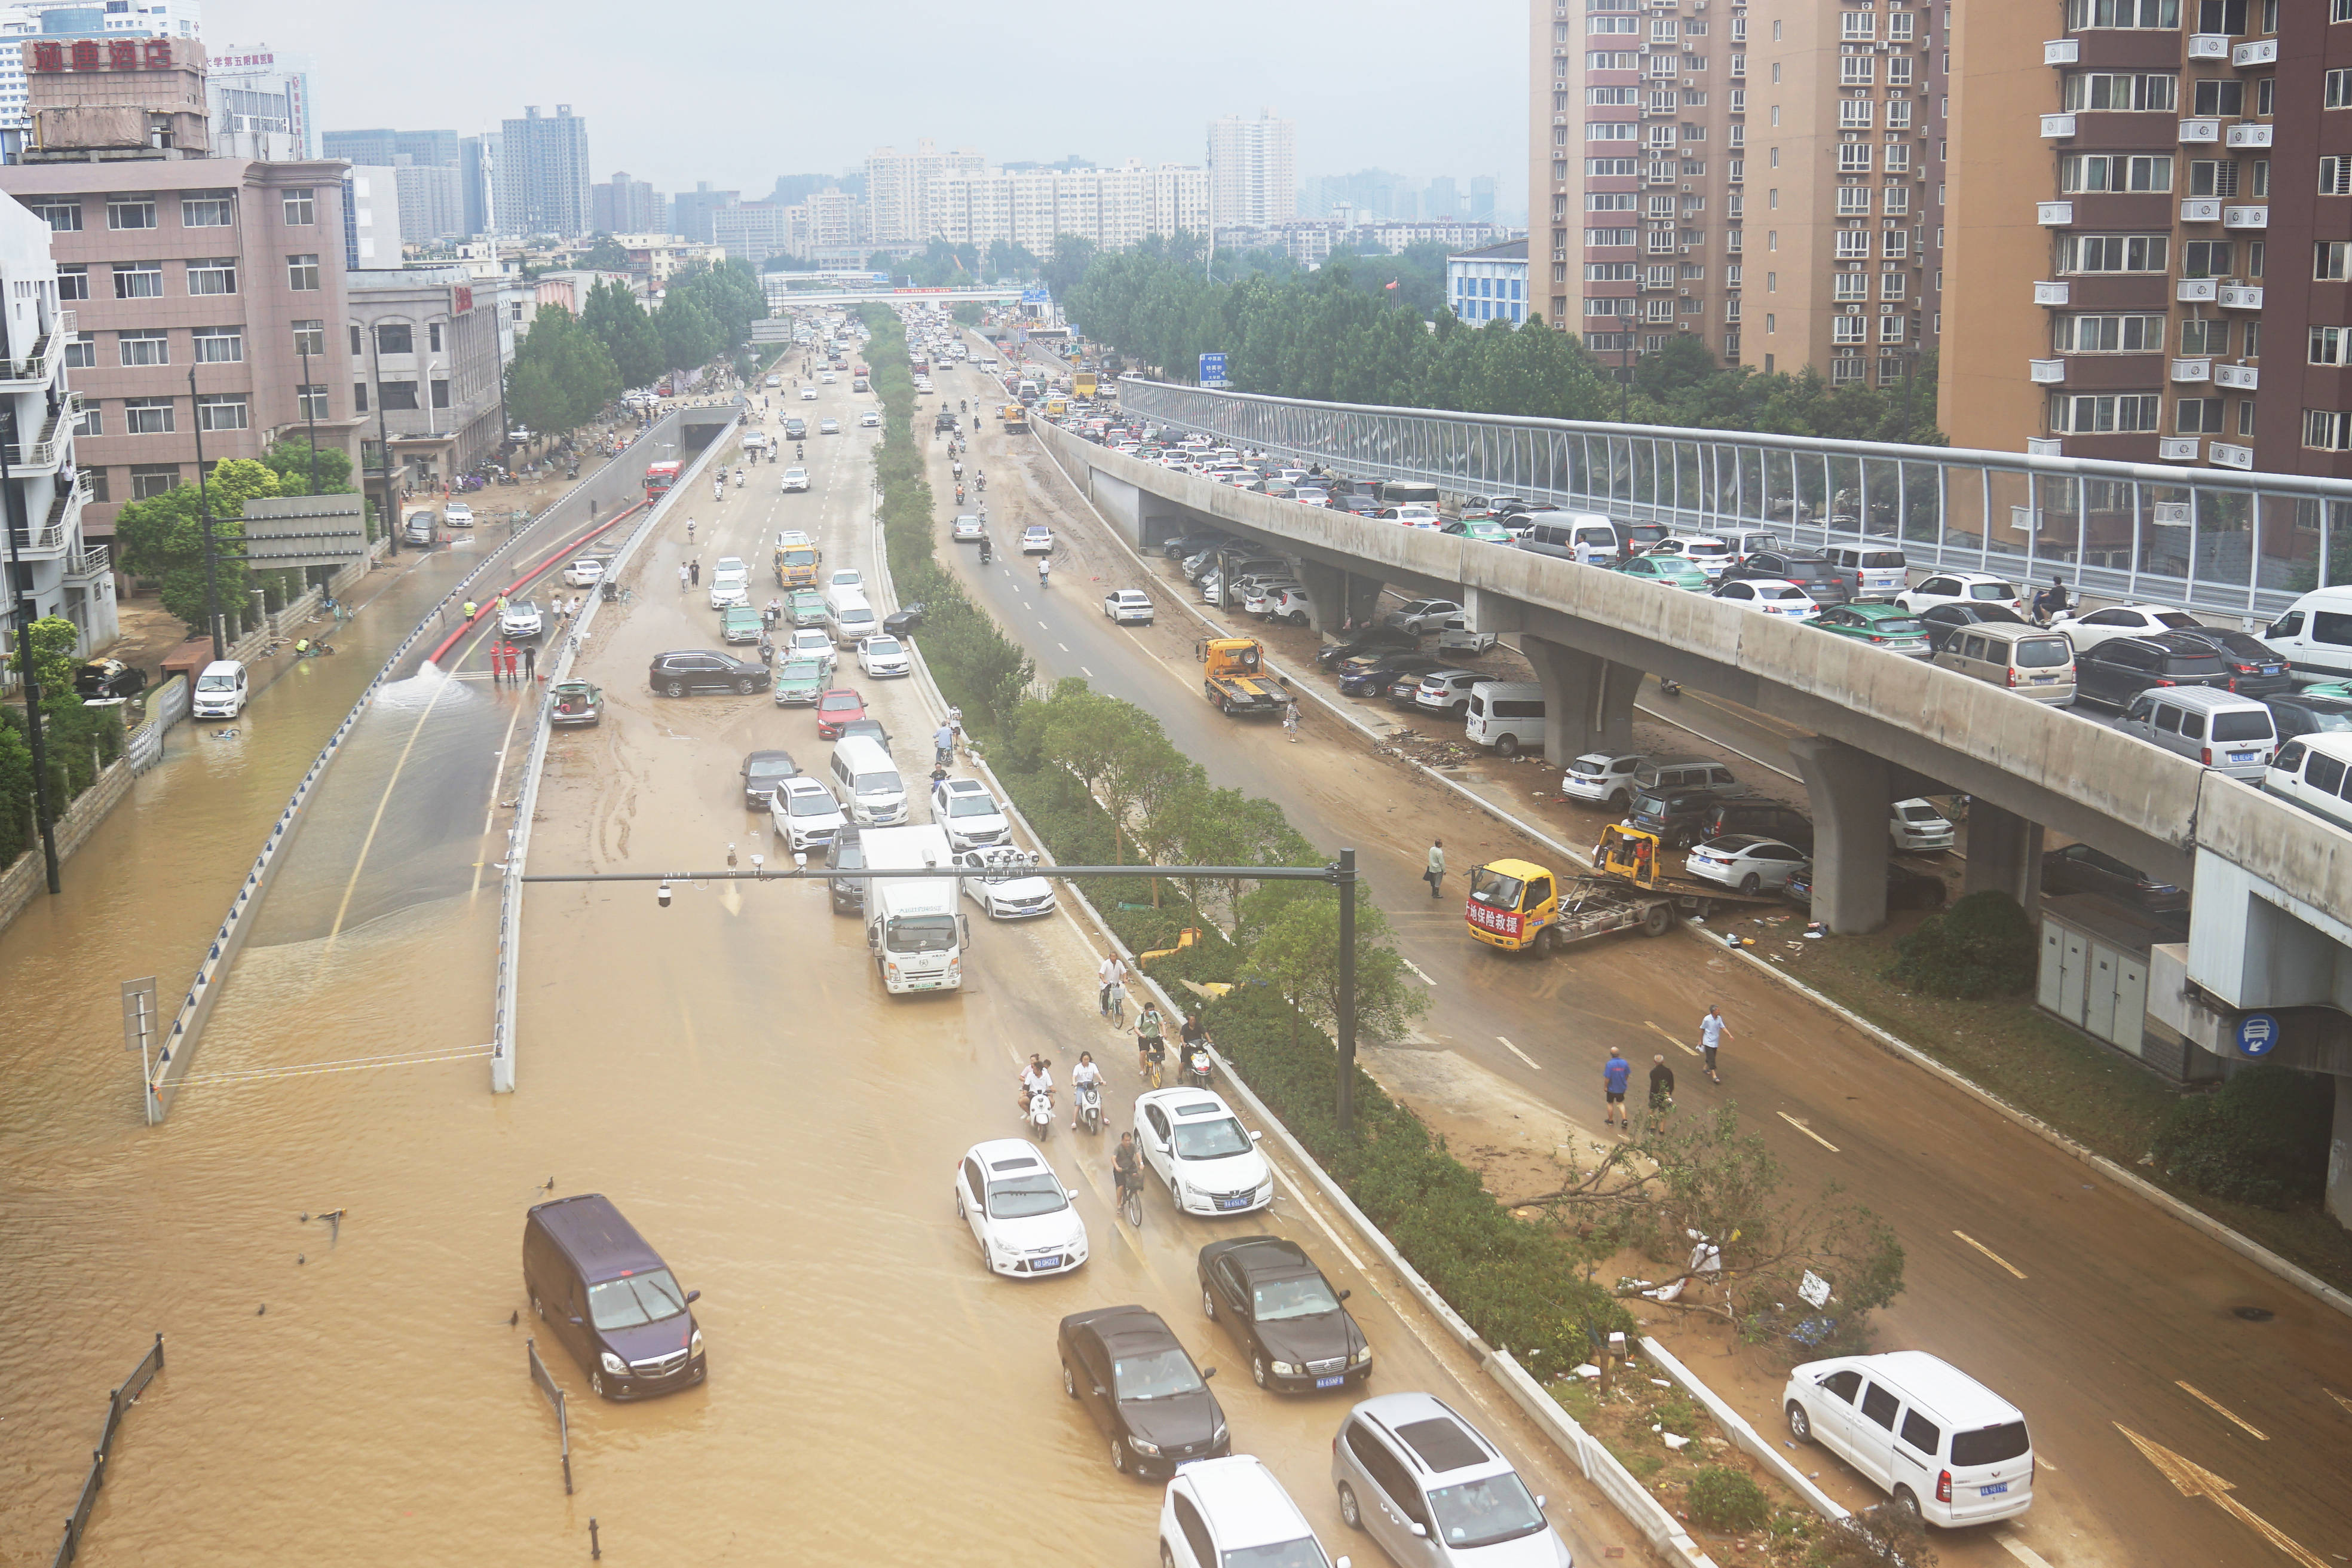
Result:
{"points": [[2215, 541], [120, 1400], [539, 1374]]}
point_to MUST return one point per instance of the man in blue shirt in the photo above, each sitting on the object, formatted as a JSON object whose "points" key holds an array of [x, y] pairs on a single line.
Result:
{"points": [[1613, 1076]]}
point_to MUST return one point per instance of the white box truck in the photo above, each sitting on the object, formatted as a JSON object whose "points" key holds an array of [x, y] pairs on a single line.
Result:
{"points": [[913, 925]]}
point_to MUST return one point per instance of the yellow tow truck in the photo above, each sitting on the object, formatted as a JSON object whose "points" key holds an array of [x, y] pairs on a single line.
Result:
{"points": [[1517, 904], [1016, 419], [1232, 676]]}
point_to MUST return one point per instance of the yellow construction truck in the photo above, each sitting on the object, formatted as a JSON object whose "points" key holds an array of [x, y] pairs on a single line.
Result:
{"points": [[1231, 670], [1518, 904], [1016, 419]]}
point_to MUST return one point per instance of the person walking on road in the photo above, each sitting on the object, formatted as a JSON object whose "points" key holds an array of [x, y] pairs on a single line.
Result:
{"points": [[470, 607], [1662, 1085], [695, 566], [1290, 721], [530, 661], [1711, 1031], [1615, 1074], [1112, 972], [1435, 874], [681, 577]]}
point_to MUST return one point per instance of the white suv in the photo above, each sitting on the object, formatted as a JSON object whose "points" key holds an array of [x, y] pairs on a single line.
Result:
{"points": [[969, 814], [1432, 1491], [804, 813]]}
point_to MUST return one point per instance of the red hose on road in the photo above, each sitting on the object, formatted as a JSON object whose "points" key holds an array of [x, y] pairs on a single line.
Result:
{"points": [[525, 580]]}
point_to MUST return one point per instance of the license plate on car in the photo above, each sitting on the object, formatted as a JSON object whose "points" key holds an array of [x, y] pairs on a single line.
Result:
{"points": [[1053, 1262], [1239, 1202], [2241, 756], [1330, 1382], [1994, 1490]]}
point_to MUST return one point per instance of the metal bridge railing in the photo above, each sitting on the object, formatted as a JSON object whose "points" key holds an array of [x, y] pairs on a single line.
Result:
{"points": [[2214, 541]]}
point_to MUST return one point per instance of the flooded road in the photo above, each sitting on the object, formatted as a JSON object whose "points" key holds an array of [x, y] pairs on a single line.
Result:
{"points": [[729, 1072]]}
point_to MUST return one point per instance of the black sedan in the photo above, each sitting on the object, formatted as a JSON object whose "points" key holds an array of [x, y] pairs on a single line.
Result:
{"points": [[1370, 644], [2254, 669], [1132, 1375], [2079, 868], [901, 622], [678, 673], [1906, 889], [1374, 679], [1943, 620], [1273, 1300], [2298, 713], [762, 771], [1186, 545], [2114, 672]]}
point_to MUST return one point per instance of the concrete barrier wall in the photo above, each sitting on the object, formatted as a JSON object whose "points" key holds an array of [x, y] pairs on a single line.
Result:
{"points": [[29, 878], [2089, 781]]}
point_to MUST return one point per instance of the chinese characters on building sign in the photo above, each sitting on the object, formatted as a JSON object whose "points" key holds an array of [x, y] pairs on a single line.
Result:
{"points": [[104, 55]]}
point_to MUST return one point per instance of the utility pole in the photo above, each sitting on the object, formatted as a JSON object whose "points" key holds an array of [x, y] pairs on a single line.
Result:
{"points": [[1346, 877], [205, 510], [383, 445], [23, 608]]}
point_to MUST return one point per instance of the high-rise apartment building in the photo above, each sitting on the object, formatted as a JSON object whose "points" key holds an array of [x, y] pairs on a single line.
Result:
{"points": [[2130, 172], [1253, 170], [623, 205], [690, 211], [427, 149], [901, 188], [1482, 199], [1762, 181], [477, 163], [543, 175], [261, 102], [754, 231], [1114, 208]]}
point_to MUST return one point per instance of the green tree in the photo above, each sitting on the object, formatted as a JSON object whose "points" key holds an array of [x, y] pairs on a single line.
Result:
{"points": [[562, 376], [1073, 254], [163, 538], [289, 458], [606, 256], [690, 334], [1298, 953], [730, 294], [56, 652], [619, 322]]}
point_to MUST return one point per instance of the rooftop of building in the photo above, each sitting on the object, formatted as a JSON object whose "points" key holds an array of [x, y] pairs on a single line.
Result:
{"points": [[168, 174], [1508, 250]]}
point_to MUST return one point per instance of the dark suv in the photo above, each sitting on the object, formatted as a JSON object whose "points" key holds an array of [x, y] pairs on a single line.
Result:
{"points": [[2114, 672], [1761, 818], [690, 670], [1678, 816], [1816, 575]]}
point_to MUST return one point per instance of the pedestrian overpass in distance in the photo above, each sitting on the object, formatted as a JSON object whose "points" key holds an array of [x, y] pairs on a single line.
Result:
{"points": [[944, 299]]}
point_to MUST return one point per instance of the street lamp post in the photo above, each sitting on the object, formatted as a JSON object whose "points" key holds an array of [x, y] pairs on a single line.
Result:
{"points": [[205, 512]]}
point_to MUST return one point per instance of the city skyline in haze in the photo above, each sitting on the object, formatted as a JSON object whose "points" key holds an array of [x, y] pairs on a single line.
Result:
{"points": [[749, 92]]}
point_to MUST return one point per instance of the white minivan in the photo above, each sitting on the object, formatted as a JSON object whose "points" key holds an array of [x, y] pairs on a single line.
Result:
{"points": [[2315, 637], [868, 779], [2315, 772], [848, 618], [221, 691], [1508, 715], [1935, 1439]]}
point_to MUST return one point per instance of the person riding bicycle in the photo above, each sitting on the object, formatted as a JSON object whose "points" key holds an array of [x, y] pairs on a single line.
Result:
{"points": [[1127, 1166], [1151, 1046], [1045, 571]]}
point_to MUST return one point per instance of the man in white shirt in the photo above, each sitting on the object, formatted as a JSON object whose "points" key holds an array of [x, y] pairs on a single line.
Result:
{"points": [[1112, 972], [1037, 1078]]}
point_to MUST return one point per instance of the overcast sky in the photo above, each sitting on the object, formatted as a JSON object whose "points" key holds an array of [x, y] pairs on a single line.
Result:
{"points": [[739, 91]]}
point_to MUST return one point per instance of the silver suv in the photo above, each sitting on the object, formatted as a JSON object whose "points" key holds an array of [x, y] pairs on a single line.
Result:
{"points": [[1431, 1490]]}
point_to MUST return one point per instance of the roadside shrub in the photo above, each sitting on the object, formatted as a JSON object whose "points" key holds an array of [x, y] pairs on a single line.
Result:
{"points": [[1678, 1414], [1984, 945], [1885, 1534], [2261, 1139], [1721, 1498]]}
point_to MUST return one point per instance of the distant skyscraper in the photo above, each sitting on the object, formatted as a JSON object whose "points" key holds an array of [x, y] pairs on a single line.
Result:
{"points": [[1482, 199], [431, 200], [690, 211], [1439, 200], [1253, 170], [902, 188], [623, 205], [478, 161], [543, 175]]}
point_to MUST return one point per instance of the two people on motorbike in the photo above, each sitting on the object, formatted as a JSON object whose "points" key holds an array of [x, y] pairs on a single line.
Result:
{"points": [[1037, 1078]]}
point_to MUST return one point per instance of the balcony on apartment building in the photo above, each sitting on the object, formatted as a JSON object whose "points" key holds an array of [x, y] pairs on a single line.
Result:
{"points": [[58, 531], [37, 369]]}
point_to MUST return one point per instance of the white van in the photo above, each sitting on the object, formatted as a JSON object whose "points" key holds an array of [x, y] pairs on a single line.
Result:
{"points": [[2219, 729], [867, 780], [1508, 715], [848, 618], [2037, 664], [1924, 1432], [1871, 570], [1559, 533], [2315, 637], [221, 691], [2313, 771]]}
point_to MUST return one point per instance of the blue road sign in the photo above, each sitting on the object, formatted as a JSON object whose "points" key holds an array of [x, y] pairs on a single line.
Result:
{"points": [[1213, 370], [1036, 295], [2257, 1033]]}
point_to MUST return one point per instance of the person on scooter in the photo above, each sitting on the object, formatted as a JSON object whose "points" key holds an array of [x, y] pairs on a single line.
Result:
{"points": [[1127, 1166], [1035, 1079], [2051, 602], [1149, 1044], [985, 550], [1083, 1077]]}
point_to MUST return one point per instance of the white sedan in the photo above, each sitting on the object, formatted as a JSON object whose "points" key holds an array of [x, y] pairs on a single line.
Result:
{"points": [[871, 419], [584, 573], [968, 529], [1128, 606], [1772, 595], [1005, 883], [2088, 629], [1745, 862], [1418, 514], [803, 814], [1019, 1212], [880, 656], [796, 479], [730, 591], [969, 814], [1193, 1141], [458, 514], [1974, 588], [808, 394], [1037, 540]]}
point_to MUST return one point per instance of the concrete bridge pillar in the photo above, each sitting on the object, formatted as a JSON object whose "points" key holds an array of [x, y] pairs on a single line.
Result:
{"points": [[1588, 700], [1344, 601], [2339, 1155], [1848, 790], [2004, 853]]}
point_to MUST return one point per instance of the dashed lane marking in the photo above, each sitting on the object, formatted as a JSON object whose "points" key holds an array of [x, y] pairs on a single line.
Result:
{"points": [[2221, 1410], [1668, 1039], [1833, 1148], [1521, 1055], [1989, 1252], [1409, 963], [2019, 1550]]}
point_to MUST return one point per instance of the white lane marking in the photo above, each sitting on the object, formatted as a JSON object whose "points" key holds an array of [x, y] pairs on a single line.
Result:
{"points": [[2019, 1550], [1521, 1055], [1989, 1252], [1298, 1195], [1082, 669], [1830, 1146], [1670, 1039], [2221, 1410], [1063, 646], [1043, 627], [1409, 963]]}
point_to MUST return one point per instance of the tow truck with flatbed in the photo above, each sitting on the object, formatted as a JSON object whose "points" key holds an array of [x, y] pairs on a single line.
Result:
{"points": [[1234, 678], [1518, 904]]}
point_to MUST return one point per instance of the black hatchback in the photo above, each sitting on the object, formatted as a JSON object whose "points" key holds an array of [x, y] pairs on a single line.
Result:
{"points": [[1271, 1296], [1132, 1375], [1816, 575], [2114, 672], [690, 670]]}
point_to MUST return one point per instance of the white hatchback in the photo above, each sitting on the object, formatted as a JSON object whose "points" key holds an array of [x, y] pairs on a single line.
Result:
{"points": [[1193, 1142], [1976, 589], [458, 514], [731, 590], [969, 814], [795, 479], [2087, 630], [1019, 1211], [1704, 551]]}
